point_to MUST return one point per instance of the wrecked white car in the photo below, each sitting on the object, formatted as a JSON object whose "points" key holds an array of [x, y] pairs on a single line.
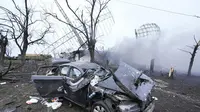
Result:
{"points": [[97, 89]]}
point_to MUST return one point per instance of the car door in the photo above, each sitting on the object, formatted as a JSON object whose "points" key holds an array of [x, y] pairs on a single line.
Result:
{"points": [[51, 85], [76, 89]]}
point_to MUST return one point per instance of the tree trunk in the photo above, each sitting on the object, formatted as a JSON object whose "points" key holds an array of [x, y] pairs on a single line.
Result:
{"points": [[2, 55], [25, 45], [3, 45], [91, 50], [26, 34], [23, 52], [23, 55], [92, 55], [192, 59], [190, 68]]}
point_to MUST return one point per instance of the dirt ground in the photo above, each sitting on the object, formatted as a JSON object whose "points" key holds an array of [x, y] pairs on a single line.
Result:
{"points": [[179, 95]]}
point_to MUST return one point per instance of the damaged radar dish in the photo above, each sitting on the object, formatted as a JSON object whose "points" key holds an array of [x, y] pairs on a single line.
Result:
{"points": [[146, 30]]}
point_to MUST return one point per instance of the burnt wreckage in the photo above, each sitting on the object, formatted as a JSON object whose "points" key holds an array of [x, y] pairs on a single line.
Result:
{"points": [[97, 89]]}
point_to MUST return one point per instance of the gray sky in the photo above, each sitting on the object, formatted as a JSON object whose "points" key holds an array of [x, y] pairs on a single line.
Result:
{"points": [[129, 17]]}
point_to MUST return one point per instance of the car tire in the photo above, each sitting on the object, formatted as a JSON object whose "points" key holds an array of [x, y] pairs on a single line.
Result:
{"points": [[101, 106]]}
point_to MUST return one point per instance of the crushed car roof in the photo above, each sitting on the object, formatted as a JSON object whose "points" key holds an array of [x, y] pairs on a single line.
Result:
{"points": [[57, 61], [83, 65]]}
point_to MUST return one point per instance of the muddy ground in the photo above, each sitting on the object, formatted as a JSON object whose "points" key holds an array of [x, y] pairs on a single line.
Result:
{"points": [[179, 95]]}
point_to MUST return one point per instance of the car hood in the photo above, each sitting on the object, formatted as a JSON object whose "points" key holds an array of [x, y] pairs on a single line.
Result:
{"points": [[110, 84], [129, 80], [133, 82]]}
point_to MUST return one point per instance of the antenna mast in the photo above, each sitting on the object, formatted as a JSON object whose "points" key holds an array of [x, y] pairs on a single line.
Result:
{"points": [[73, 30]]}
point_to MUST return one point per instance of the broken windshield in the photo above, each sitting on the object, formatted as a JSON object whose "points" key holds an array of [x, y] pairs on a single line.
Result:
{"points": [[102, 73], [48, 70]]}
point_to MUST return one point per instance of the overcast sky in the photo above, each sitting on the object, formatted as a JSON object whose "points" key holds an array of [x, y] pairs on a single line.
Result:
{"points": [[129, 17]]}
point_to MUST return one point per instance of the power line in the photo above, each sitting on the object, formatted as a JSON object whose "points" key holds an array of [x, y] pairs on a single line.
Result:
{"points": [[163, 10]]}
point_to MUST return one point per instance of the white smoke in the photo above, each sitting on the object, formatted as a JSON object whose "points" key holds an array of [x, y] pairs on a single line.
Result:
{"points": [[165, 49]]}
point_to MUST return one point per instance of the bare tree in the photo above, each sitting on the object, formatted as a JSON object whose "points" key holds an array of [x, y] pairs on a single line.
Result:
{"points": [[21, 26], [193, 54], [88, 23]]}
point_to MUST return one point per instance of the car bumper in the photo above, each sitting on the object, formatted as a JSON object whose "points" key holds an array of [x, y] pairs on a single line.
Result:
{"points": [[150, 108], [133, 107], [128, 107]]}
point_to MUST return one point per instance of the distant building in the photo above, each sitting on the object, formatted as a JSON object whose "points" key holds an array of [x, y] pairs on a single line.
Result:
{"points": [[35, 56]]}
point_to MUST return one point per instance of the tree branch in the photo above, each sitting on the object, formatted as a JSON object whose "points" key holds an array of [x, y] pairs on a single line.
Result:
{"points": [[91, 19], [198, 43], [26, 21], [73, 11], [82, 22], [41, 36], [1, 24], [84, 27], [33, 22], [195, 40], [56, 17], [18, 8], [89, 2], [190, 46], [13, 21], [102, 7], [6, 20], [185, 51], [17, 43], [14, 16], [13, 35]]}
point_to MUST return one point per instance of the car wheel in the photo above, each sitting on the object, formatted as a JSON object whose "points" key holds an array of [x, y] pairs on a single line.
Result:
{"points": [[100, 106]]}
